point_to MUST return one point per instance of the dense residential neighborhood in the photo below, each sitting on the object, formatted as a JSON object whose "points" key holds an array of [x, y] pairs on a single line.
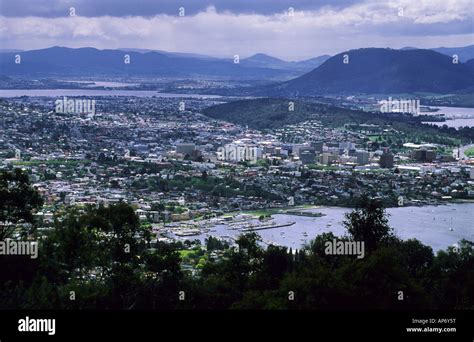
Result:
{"points": [[138, 155]]}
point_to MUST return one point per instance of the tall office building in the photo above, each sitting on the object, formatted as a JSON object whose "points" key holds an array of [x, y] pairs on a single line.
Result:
{"points": [[362, 157], [386, 159], [185, 148]]}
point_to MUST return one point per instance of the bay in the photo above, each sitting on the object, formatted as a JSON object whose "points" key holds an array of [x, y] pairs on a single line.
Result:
{"points": [[429, 224], [9, 93], [458, 116]]}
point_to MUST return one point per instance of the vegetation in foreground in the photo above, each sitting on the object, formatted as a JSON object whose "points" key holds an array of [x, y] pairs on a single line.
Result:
{"points": [[100, 258]]}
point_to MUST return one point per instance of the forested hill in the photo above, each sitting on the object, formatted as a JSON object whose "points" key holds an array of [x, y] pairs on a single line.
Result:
{"points": [[270, 113], [379, 71], [274, 113]]}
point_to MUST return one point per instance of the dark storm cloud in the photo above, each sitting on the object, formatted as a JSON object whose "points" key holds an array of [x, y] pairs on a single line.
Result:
{"points": [[225, 28], [120, 8]]}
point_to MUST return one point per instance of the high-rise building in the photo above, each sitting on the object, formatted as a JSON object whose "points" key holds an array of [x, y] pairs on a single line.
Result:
{"points": [[347, 145], [386, 159], [424, 155], [240, 152], [298, 148], [352, 152], [362, 157], [318, 146], [326, 158], [185, 148], [307, 157]]}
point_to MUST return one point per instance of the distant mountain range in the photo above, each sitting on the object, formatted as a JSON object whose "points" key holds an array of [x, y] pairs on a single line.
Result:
{"points": [[369, 70], [375, 70], [172, 54], [90, 62], [9, 50], [470, 64], [261, 60], [464, 53]]}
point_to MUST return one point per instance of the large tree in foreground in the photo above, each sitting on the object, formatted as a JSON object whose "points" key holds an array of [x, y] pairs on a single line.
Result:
{"points": [[18, 200], [368, 222]]}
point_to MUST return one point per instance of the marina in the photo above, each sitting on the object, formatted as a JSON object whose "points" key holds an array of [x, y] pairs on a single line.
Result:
{"points": [[436, 226]]}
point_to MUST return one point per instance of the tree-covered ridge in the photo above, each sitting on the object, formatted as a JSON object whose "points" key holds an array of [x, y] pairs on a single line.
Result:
{"points": [[270, 113], [102, 258]]}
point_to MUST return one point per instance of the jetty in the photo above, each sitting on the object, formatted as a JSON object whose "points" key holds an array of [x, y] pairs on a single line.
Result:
{"points": [[261, 227]]}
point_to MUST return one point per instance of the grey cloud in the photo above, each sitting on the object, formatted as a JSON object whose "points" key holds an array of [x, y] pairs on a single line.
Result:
{"points": [[121, 8], [306, 34]]}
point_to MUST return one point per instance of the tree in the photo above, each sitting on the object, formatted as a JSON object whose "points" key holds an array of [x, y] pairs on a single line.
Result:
{"points": [[18, 200], [248, 244], [213, 243], [368, 223], [276, 262]]}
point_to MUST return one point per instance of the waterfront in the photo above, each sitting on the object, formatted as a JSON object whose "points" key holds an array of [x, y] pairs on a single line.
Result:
{"points": [[429, 224], [457, 116], [9, 93]]}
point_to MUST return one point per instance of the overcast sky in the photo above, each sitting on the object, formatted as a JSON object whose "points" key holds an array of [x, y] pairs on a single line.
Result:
{"points": [[244, 27]]}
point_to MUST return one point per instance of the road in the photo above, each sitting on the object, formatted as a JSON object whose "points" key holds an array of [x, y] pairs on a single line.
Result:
{"points": [[462, 149]]}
